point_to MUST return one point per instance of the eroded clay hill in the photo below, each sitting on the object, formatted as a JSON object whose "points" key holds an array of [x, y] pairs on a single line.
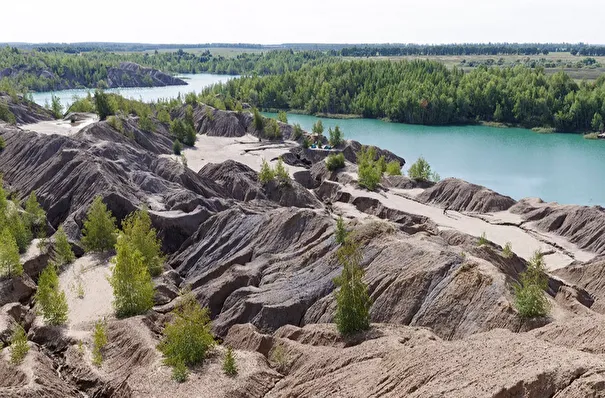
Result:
{"points": [[262, 258]]}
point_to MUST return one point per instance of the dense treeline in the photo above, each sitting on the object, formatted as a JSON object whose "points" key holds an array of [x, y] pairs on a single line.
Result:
{"points": [[427, 92], [470, 49], [44, 71], [74, 48]]}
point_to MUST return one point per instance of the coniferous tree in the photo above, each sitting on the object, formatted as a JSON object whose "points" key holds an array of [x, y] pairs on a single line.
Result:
{"points": [[10, 262], [229, 366], [19, 347], [35, 216], [530, 300], [50, 298], [341, 231], [143, 237], [104, 105], [65, 254], [131, 282], [266, 173], [99, 233], [281, 173], [352, 299]]}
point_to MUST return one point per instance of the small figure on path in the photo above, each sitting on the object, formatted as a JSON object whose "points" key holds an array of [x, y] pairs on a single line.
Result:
{"points": [[445, 209]]}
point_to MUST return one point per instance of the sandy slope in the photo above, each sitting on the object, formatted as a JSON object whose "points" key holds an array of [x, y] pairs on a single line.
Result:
{"points": [[246, 150], [91, 271], [500, 227], [60, 127]]}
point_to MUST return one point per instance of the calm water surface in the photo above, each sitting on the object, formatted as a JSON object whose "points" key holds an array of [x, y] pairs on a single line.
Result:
{"points": [[564, 168], [196, 82]]}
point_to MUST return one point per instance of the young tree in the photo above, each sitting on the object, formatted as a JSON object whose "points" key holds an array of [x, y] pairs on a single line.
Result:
{"points": [[259, 122], [530, 300], [130, 280], [104, 105], [282, 117], [341, 231], [99, 341], [335, 162], [10, 262], [297, 132], [164, 117], [336, 136], [19, 347], [421, 171], [369, 170], [56, 107], [281, 173], [318, 128], [17, 223], [393, 168], [177, 147], [229, 366], [352, 299], [51, 298], [64, 253], [266, 174], [2, 144], [188, 337], [143, 237], [99, 228], [35, 216], [272, 130]]}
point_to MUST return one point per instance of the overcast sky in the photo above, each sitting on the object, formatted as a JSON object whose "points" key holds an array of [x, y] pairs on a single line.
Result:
{"points": [[309, 21]]}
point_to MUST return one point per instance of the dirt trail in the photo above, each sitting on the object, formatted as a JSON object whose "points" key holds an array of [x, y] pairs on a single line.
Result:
{"points": [[60, 127]]}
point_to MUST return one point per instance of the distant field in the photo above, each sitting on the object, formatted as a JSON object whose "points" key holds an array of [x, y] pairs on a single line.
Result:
{"points": [[456, 60], [227, 52]]}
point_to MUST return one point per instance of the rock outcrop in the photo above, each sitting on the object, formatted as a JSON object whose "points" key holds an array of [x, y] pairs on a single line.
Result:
{"points": [[582, 225], [129, 74], [460, 195]]}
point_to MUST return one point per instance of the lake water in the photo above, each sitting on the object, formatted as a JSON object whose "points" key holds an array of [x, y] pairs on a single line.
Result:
{"points": [[564, 168], [196, 82]]}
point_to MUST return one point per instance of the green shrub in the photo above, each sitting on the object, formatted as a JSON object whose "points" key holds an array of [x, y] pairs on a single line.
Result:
{"points": [[341, 231], [297, 132], [266, 174], [306, 143], [352, 299], [191, 98], [17, 223], [130, 280], [99, 233], [85, 105], [187, 338], [393, 168], [56, 107], [64, 253], [34, 216], [2, 144], [99, 341], [530, 300], [140, 234], [6, 114], [282, 117], [507, 252], [116, 123], [50, 298], [10, 262], [334, 162], [281, 172], [259, 122], [421, 171], [19, 347], [180, 372], [318, 128], [177, 147], [483, 240], [164, 117], [229, 366], [104, 104], [272, 130], [336, 136], [369, 170], [146, 124]]}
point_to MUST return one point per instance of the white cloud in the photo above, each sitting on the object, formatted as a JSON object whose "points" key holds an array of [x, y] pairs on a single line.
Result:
{"points": [[321, 21]]}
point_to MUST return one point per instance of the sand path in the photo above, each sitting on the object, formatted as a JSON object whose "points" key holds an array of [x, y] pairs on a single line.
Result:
{"points": [[61, 127]]}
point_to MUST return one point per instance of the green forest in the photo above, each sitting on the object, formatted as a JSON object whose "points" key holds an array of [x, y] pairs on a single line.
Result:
{"points": [[46, 70], [427, 92]]}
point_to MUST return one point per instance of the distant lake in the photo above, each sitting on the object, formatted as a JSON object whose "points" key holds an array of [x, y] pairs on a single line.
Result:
{"points": [[564, 168], [196, 82]]}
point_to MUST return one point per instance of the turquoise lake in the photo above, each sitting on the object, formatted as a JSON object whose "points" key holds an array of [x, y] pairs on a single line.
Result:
{"points": [[564, 168]]}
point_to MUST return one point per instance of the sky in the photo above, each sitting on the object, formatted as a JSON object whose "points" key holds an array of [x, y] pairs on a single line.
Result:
{"points": [[308, 21]]}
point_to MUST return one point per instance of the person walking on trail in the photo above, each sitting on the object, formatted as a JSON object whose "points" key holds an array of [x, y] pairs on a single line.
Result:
{"points": [[445, 209]]}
